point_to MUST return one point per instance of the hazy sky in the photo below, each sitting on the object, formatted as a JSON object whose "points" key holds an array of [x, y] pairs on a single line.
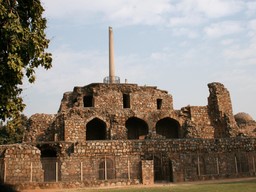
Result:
{"points": [[177, 45]]}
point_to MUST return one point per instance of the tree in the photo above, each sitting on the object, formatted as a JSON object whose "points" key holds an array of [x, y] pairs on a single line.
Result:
{"points": [[23, 45], [14, 130]]}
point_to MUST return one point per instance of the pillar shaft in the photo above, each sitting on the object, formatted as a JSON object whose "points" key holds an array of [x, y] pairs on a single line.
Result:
{"points": [[111, 57]]}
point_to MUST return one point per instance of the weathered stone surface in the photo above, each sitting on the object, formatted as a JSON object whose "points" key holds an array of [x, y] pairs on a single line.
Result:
{"points": [[21, 163], [147, 172], [122, 134], [246, 124], [220, 111], [40, 128]]}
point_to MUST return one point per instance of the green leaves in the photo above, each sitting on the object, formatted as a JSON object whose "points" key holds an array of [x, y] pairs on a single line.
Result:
{"points": [[13, 130], [23, 46]]}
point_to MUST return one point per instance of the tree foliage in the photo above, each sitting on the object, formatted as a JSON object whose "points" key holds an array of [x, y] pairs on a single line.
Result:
{"points": [[14, 130], [23, 45]]}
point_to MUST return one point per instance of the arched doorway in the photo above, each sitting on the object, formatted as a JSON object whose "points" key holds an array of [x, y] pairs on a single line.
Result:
{"points": [[96, 130], [168, 128], [136, 128], [50, 163]]}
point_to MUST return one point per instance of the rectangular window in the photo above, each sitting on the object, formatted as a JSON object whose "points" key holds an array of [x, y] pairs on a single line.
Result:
{"points": [[159, 103], [126, 100], [88, 101]]}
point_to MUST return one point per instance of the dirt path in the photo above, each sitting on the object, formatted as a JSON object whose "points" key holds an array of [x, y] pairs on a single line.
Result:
{"points": [[155, 185]]}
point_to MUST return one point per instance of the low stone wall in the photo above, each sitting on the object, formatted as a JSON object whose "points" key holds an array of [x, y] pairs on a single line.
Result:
{"points": [[187, 159], [66, 185], [21, 163], [100, 163]]}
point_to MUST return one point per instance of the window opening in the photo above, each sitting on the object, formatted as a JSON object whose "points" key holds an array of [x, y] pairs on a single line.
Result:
{"points": [[96, 130], [88, 101], [126, 100], [159, 103]]}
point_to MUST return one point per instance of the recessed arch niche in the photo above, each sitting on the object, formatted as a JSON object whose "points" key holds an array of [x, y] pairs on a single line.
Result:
{"points": [[168, 128], [96, 130], [136, 128]]}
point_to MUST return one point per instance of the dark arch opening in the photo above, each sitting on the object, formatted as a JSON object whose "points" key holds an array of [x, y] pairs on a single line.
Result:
{"points": [[96, 130], [47, 150], [168, 128], [136, 128]]}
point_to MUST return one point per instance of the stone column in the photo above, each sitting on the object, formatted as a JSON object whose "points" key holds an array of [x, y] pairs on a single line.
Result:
{"points": [[111, 57]]}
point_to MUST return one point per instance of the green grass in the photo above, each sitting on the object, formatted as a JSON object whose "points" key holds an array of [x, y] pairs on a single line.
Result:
{"points": [[239, 186]]}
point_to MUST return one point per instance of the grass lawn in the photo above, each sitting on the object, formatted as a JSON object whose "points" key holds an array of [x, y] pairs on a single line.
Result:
{"points": [[228, 186]]}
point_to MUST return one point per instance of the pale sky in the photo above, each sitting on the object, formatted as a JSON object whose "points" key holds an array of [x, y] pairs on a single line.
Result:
{"points": [[177, 45]]}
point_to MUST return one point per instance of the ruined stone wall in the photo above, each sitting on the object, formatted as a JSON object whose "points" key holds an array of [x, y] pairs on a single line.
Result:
{"points": [[173, 160], [21, 163], [188, 159], [145, 100], [198, 125], [74, 129], [75, 122], [40, 128], [146, 103], [110, 96], [220, 111]]}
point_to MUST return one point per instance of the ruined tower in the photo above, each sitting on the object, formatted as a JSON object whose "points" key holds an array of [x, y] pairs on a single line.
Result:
{"points": [[220, 111]]}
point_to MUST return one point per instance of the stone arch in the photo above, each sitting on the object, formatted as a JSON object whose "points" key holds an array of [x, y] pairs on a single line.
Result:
{"points": [[96, 129], [136, 128], [168, 128]]}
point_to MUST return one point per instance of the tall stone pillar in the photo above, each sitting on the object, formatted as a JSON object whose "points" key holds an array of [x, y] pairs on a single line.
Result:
{"points": [[111, 57]]}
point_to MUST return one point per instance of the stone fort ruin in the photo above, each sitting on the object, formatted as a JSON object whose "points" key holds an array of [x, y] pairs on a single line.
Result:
{"points": [[116, 133]]}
